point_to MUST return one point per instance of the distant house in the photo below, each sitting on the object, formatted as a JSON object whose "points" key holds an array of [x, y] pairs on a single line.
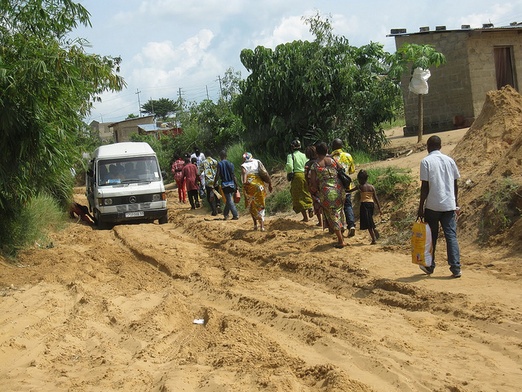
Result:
{"points": [[158, 130], [103, 130], [124, 129], [478, 61]]}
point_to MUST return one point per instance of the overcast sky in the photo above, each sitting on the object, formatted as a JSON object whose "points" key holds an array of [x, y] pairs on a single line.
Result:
{"points": [[170, 47]]}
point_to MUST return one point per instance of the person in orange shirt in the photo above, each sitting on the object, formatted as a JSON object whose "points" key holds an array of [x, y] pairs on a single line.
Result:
{"points": [[369, 200]]}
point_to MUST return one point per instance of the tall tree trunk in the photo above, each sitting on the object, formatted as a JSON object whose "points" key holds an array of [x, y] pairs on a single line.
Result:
{"points": [[421, 118]]}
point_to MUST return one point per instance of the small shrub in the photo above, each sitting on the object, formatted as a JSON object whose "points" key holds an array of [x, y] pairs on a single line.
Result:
{"points": [[280, 201], [361, 157], [391, 183], [38, 218], [500, 210]]}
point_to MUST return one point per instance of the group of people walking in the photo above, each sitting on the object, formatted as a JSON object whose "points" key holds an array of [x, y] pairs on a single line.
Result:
{"points": [[314, 186], [200, 176], [316, 183], [186, 174], [316, 189]]}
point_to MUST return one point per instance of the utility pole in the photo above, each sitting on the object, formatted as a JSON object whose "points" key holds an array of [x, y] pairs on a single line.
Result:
{"points": [[220, 88], [206, 87], [139, 103], [180, 99]]}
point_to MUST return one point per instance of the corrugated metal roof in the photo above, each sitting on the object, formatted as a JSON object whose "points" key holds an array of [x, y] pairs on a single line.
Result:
{"points": [[150, 127]]}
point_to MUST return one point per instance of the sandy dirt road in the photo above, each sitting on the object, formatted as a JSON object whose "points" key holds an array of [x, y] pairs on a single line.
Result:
{"points": [[283, 310]]}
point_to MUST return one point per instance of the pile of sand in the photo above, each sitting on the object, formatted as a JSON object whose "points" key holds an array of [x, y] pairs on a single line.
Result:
{"points": [[489, 157]]}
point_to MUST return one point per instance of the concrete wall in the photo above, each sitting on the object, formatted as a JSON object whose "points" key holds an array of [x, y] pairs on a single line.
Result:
{"points": [[457, 90], [124, 129], [481, 46], [449, 85], [104, 131]]}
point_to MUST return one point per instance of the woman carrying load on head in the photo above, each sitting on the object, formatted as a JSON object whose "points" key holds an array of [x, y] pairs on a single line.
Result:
{"points": [[254, 189]]}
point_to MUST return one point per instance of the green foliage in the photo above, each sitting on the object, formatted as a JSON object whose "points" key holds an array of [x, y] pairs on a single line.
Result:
{"points": [[32, 225], [317, 91], [362, 157], [499, 208], [229, 84], [47, 84], [210, 126], [418, 56], [391, 183], [162, 107], [394, 187], [280, 201], [235, 155], [398, 121], [160, 147]]}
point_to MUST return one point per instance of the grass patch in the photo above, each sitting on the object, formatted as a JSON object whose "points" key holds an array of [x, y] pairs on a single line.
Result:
{"points": [[41, 216], [391, 183], [280, 201], [361, 157], [394, 189], [398, 121], [499, 208]]}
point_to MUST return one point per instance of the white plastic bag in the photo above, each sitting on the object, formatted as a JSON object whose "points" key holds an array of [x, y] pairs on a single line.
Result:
{"points": [[421, 245], [419, 81]]}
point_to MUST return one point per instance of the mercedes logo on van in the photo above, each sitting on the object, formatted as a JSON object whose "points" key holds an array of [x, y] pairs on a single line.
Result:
{"points": [[132, 199]]}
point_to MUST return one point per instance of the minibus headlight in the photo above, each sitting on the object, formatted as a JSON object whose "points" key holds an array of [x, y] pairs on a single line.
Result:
{"points": [[107, 201], [156, 197]]}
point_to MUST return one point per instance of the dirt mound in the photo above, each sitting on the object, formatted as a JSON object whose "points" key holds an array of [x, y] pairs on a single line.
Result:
{"points": [[489, 157]]}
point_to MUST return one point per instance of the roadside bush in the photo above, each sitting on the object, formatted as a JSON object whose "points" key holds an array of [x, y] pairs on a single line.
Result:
{"points": [[391, 183], [499, 206], [362, 157], [280, 201], [32, 226], [395, 190]]}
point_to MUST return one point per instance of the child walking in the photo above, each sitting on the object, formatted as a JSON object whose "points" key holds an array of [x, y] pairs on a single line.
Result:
{"points": [[368, 201]]}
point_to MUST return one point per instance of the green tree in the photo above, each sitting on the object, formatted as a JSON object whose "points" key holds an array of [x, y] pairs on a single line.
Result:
{"points": [[230, 84], [162, 107], [317, 91], [417, 56], [47, 85], [209, 125]]}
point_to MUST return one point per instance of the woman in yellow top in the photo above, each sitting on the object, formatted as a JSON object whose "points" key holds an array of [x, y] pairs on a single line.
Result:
{"points": [[368, 201]]}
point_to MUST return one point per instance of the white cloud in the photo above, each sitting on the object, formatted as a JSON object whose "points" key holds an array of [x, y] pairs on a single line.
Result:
{"points": [[160, 63], [498, 14], [167, 45], [289, 29]]}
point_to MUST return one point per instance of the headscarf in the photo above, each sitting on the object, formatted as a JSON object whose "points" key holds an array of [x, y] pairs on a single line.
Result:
{"points": [[247, 157], [296, 144]]}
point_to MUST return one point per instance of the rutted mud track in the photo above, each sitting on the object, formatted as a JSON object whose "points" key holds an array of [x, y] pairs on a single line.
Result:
{"points": [[283, 311]]}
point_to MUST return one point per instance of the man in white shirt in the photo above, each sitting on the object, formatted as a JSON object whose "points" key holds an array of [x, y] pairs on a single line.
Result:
{"points": [[438, 202], [200, 157]]}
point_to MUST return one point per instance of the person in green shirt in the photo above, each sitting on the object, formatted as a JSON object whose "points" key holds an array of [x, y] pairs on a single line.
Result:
{"points": [[295, 167]]}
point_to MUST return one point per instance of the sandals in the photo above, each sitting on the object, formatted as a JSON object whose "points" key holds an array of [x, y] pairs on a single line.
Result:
{"points": [[339, 246]]}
